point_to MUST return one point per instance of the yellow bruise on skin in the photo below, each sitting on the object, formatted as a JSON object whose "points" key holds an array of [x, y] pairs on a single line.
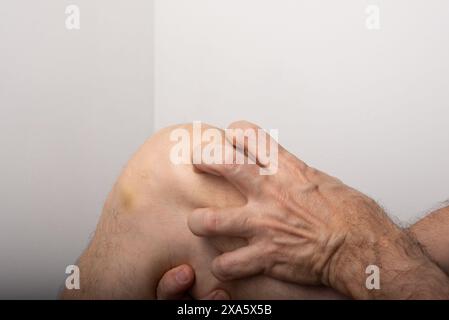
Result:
{"points": [[127, 198]]}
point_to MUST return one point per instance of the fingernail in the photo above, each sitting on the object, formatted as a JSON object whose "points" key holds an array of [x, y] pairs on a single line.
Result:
{"points": [[182, 276]]}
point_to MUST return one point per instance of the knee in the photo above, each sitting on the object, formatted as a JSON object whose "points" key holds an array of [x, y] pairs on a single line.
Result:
{"points": [[155, 170], [166, 156]]}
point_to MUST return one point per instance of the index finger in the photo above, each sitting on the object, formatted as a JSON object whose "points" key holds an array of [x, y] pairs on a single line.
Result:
{"points": [[210, 222], [234, 167]]}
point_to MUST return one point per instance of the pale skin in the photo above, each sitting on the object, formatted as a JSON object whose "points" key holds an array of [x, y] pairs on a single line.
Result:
{"points": [[176, 283], [143, 233], [306, 227], [432, 232], [143, 237]]}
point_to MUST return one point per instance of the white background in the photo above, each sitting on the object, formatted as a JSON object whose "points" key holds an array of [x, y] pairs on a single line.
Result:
{"points": [[370, 107], [74, 105]]}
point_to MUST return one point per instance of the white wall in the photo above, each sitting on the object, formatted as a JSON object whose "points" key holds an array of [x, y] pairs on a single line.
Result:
{"points": [[370, 107], [73, 106]]}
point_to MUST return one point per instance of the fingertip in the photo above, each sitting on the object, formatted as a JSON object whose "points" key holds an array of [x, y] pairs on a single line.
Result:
{"points": [[175, 282], [242, 124], [184, 275], [219, 269], [202, 222]]}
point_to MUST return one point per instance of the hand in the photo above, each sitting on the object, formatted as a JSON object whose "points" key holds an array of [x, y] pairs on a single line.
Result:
{"points": [[304, 226], [176, 282], [293, 220]]}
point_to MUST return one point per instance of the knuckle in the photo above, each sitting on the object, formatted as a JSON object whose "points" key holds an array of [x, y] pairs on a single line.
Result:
{"points": [[282, 197], [249, 223], [309, 188], [297, 167], [268, 189], [267, 262], [258, 224], [335, 187], [271, 250], [270, 258], [312, 173]]}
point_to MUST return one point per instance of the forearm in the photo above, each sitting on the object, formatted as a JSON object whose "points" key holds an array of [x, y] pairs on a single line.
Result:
{"points": [[432, 233], [406, 271]]}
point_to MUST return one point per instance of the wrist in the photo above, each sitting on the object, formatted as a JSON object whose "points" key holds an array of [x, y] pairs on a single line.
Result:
{"points": [[405, 271], [362, 248], [367, 231]]}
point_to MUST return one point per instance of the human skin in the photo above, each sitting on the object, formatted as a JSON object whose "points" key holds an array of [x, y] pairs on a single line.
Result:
{"points": [[176, 283], [142, 233], [306, 227], [432, 232]]}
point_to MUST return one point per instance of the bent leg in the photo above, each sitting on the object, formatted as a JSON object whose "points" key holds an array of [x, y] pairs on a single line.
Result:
{"points": [[142, 233]]}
